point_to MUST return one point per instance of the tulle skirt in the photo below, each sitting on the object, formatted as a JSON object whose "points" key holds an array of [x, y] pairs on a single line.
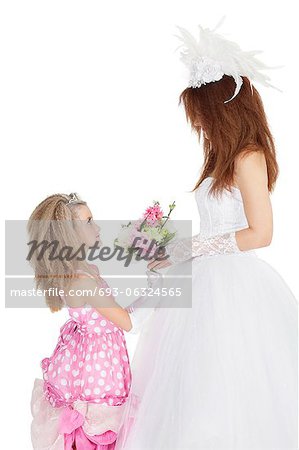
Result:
{"points": [[222, 374], [89, 425]]}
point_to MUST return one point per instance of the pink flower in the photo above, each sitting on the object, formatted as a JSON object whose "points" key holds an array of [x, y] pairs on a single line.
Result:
{"points": [[143, 243], [153, 214]]}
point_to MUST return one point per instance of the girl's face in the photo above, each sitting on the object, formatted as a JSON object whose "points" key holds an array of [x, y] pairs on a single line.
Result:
{"points": [[89, 231]]}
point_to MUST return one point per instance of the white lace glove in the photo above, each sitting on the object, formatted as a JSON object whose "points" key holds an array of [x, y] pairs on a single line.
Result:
{"points": [[139, 311], [198, 245]]}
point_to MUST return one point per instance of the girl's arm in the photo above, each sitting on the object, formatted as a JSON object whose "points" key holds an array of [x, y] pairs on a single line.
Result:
{"points": [[129, 319]]}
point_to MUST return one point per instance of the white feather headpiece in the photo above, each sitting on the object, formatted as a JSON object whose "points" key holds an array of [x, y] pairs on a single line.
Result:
{"points": [[214, 56]]}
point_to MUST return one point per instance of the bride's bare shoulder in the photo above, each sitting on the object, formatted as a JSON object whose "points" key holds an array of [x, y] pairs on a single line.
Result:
{"points": [[250, 163]]}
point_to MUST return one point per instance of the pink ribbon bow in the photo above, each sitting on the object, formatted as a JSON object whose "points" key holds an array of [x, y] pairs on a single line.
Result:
{"points": [[70, 424]]}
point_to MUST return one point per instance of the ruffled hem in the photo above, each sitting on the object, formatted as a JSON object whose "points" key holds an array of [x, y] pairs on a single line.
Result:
{"points": [[90, 426]]}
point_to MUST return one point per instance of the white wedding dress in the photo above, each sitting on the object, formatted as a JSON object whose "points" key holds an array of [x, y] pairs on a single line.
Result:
{"points": [[222, 374]]}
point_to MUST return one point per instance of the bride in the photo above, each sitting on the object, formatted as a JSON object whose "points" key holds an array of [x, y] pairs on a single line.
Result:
{"points": [[222, 374]]}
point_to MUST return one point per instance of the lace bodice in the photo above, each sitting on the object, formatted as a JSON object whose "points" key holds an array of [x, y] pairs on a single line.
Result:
{"points": [[220, 218], [219, 215]]}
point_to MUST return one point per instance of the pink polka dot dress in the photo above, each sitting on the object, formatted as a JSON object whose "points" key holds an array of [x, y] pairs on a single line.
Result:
{"points": [[86, 382]]}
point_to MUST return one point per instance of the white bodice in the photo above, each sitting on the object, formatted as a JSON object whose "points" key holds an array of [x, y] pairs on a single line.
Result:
{"points": [[219, 215]]}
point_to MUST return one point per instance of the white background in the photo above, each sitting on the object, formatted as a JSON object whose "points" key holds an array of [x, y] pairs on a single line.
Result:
{"points": [[89, 103]]}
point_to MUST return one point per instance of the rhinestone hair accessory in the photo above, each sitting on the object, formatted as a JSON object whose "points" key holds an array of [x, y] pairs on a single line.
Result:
{"points": [[213, 56], [74, 198]]}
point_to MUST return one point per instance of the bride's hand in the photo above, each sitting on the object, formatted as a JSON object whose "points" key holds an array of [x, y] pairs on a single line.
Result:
{"points": [[156, 263]]}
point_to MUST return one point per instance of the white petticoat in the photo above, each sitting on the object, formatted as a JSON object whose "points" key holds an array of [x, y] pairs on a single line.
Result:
{"points": [[224, 373], [45, 430]]}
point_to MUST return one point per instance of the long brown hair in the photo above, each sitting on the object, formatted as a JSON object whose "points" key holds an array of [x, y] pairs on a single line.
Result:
{"points": [[232, 128], [54, 219]]}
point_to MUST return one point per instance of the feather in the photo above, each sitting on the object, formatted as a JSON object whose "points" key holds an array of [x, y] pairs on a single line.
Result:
{"points": [[212, 55]]}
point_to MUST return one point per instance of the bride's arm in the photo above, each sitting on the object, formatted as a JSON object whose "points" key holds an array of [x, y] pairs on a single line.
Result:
{"points": [[197, 245], [251, 176], [252, 179]]}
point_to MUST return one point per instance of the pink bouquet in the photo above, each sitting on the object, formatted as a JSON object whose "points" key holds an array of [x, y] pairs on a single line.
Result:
{"points": [[145, 236]]}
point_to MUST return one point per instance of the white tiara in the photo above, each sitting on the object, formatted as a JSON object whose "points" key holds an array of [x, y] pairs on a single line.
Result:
{"points": [[214, 56], [74, 198]]}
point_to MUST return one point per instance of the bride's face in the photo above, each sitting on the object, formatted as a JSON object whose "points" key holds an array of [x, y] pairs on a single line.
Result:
{"points": [[88, 230]]}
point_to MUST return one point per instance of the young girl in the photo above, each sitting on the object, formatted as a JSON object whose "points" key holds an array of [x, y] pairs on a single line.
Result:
{"points": [[224, 373], [86, 380]]}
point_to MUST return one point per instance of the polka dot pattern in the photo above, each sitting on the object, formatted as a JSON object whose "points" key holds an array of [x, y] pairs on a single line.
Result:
{"points": [[90, 361]]}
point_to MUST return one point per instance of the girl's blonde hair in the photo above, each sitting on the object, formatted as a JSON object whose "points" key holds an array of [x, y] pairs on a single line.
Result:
{"points": [[54, 220]]}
